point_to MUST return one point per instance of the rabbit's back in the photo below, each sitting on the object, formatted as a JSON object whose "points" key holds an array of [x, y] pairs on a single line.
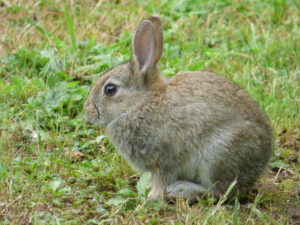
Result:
{"points": [[225, 131], [218, 94]]}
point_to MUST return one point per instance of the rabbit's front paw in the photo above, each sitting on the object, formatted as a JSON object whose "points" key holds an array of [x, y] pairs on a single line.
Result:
{"points": [[154, 196]]}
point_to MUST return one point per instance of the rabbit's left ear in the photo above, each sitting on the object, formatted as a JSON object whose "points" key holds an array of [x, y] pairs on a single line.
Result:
{"points": [[147, 45], [158, 33]]}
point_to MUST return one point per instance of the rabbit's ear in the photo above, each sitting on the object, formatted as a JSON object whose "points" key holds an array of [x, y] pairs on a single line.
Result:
{"points": [[145, 52], [158, 36]]}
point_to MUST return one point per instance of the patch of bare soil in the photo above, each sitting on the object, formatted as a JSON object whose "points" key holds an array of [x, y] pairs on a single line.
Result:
{"points": [[290, 139]]}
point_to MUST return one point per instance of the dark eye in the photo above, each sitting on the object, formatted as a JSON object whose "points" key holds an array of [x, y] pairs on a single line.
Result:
{"points": [[110, 89]]}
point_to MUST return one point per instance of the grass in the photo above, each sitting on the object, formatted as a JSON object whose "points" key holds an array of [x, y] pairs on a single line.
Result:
{"points": [[56, 169]]}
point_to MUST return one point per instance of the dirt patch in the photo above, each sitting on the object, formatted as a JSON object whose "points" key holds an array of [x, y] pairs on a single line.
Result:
{"points": [[290, 139]]}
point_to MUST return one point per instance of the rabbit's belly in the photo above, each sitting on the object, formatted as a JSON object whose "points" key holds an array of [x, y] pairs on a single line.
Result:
{"points": [[197, 171]]}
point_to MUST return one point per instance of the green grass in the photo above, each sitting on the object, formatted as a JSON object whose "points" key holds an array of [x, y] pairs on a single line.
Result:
{"points": [[56, 169]]}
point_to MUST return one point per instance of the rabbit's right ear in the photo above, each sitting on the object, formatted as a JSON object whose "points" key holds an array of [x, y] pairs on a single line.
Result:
{"points": [[147, 46]]}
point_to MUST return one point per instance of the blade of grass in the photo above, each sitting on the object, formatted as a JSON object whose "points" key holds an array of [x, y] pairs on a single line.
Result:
{"points": [[235, 211], [70, 27], [39, 28]]}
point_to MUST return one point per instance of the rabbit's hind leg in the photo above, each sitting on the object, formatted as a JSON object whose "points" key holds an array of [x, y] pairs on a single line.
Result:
{"points": [[185, 189]]}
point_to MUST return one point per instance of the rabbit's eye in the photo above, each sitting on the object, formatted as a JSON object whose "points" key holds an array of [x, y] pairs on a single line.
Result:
{"points": [[110, 89]]}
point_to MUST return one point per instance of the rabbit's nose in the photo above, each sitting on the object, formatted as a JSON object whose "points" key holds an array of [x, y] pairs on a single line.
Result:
{"points": [[91, 112]]}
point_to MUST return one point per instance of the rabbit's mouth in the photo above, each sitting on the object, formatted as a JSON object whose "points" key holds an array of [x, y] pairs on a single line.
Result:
{"points": [[93, 114]]}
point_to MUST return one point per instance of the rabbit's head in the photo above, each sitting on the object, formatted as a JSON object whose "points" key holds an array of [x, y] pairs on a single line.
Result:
{"points": [[132, 83]]}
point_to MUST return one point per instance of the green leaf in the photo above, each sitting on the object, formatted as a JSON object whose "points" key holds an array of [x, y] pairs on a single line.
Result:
{"points": [[278, 164], [54, 185], [100, 138], [156, 205], [116, 201], [101, 209], [142, 185], [126, 192]]}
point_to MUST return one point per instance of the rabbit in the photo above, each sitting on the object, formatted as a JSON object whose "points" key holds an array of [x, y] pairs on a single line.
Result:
{"points": [[196, 132]]}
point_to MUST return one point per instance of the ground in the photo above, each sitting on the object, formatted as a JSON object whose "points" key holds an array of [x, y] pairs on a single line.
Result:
{"points": [[57, 169]]}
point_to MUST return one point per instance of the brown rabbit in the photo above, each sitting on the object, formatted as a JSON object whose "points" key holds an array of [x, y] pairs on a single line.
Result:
{"points": [[194, 132]]}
